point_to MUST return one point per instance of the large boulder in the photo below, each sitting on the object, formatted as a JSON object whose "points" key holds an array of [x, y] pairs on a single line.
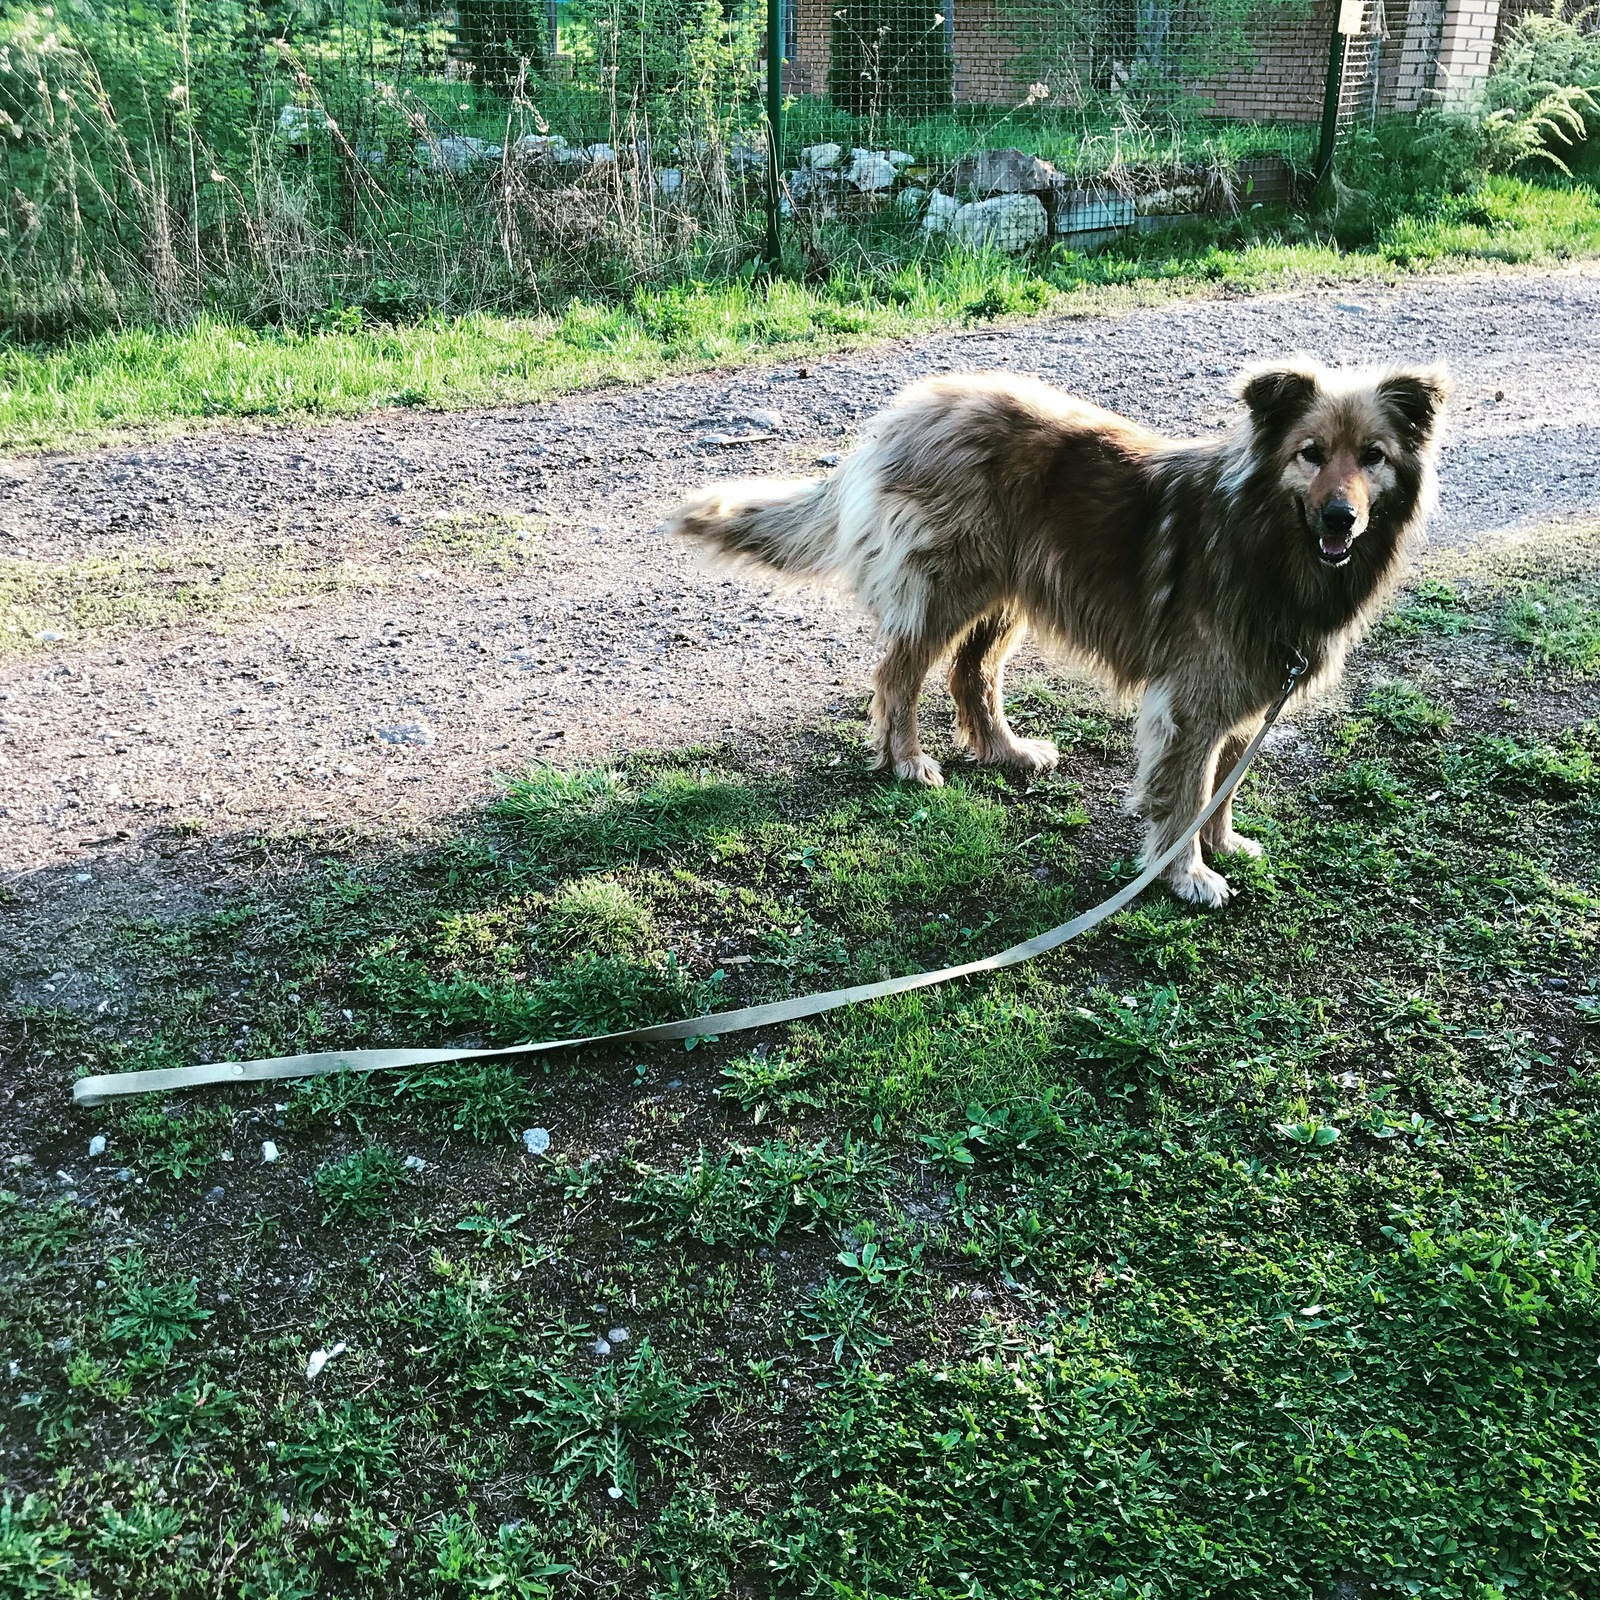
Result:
{"points": [[990, 172], [1011, 222], [457, 154], [296, 124], [821, 157], [870, 170], [808, 186], [942, 210]]}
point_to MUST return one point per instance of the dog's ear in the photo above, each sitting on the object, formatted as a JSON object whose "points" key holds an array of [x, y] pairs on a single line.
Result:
{"points": [[1415, 396], [1276, 395]]}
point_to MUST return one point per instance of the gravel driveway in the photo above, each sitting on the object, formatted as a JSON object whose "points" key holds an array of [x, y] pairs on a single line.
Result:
{"points": [[390, 702]]}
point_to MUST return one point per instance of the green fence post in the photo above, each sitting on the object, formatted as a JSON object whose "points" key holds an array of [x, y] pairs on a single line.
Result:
{"points": [[774, 126], [1346, 19]]}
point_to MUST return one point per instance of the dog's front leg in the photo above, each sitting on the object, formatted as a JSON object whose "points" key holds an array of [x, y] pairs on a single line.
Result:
{"points": [[1217, 837], [1177, 747]]}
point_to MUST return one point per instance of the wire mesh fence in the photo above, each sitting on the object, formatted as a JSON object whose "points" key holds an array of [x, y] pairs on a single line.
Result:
{"points": [[281, 156]]}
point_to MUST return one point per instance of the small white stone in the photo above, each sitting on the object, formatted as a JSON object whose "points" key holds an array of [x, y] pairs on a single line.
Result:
{"points": [[269, 1151], [614, 1492], [620, 1336], [601, 1348], [415, 1164], [536, 1140], [97, 1146]]}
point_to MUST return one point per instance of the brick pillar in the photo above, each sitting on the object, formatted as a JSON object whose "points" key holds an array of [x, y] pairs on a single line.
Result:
{"points": [[1466, 47], [1419, 54]]}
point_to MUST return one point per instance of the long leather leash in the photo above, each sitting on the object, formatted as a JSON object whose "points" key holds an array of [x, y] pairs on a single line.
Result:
{"points": [[113, 1086]]}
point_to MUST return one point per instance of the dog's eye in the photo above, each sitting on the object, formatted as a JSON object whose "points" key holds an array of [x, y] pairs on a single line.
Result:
{"points": [[1372, 456], [1311, 453]]}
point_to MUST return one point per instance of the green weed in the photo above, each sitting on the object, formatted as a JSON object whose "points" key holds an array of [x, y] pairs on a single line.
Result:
{"points": [[351, 1447], [630, 1416], [1429, 606], [598, 914], [755, 1193], [1406, 709], [359, 1185], [34, 1559], [151, 1316], [469, 1562], [1560, 631]]}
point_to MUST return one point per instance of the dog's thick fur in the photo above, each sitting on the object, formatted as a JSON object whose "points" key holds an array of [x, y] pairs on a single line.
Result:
{"points": [[1185, 569]]}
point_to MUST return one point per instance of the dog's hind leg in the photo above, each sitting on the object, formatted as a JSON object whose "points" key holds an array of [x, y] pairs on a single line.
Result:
{"points": [[977, 683], [1217, 837], [1178, 750], [898, 685]]}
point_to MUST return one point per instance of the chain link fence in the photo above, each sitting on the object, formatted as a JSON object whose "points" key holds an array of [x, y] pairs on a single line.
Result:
{"points": [[277, 156]]}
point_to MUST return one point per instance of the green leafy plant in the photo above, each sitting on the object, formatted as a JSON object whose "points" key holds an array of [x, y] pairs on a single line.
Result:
{"points": [[352, 1447], [1430, 606], [151, 1316], [358, 1185], [1406, 709], [510, 1564], [200, 1412], [840, 1310], [756, 1192], [1542, 93], [1560, 631], [624, 1419], [34, 1559]]}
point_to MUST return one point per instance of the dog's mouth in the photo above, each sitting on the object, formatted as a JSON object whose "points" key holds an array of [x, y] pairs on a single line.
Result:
{"points": [[1333, 549]]}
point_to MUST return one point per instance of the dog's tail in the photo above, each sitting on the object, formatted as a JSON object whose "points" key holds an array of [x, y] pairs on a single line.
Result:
{"points": [[787, 525]]}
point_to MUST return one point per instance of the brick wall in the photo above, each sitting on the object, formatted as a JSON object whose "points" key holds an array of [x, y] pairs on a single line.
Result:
{"points": [[1285, 81], [1431, 51], [987, 72]]}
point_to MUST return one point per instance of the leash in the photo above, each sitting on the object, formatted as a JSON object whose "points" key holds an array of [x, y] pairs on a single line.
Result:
{"points": [[112, 1086]]}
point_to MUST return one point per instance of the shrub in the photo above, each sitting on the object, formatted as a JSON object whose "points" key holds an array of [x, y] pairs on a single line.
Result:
{"points": [[1542, 94], [497, 36]]}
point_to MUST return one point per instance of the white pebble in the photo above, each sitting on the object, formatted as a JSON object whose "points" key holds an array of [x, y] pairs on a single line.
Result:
{"points": [[415, 1164], [269, 1151], [614, 1492], [97, 1146], [536, 1140], [620, 1336]]}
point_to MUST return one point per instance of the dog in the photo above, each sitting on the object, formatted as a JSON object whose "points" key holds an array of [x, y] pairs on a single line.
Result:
{"points": [[1188, 570]]}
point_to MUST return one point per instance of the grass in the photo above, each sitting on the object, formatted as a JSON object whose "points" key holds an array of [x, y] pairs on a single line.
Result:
{"points": [[119, 591], [882, 288], [1248, 1254]]}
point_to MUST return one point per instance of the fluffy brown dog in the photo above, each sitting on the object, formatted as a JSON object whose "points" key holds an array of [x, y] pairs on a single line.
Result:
{"points": [[1186, 569]]}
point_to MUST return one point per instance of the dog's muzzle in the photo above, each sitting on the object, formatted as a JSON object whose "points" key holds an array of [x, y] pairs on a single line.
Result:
{"points": [[1336, 532]]}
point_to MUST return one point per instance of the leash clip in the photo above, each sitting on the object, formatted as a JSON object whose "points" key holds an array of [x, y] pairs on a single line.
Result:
{"points": [[1296, 666]]}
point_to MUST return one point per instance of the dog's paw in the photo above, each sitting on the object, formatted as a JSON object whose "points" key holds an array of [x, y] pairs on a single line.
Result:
{"points": [[1031, 755], [1235, 844], [1200, 886], [920, 768]]}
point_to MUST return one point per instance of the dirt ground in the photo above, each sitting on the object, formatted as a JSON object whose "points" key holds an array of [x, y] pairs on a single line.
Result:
{"points": [[419, 602]]}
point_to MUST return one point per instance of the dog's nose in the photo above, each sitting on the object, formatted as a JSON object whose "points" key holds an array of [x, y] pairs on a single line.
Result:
{"points": [[1338, 516]]}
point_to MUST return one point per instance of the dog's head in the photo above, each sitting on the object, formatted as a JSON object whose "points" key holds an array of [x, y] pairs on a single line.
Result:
{"points": [[1346, 444]]}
